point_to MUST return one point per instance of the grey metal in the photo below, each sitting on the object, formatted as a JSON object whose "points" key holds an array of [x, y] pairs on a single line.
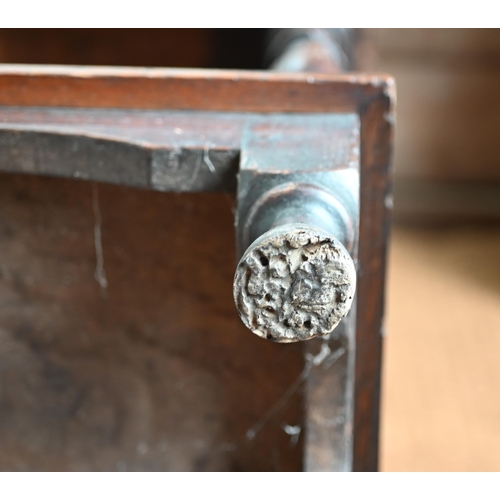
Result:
{"points": [[311, 49], [319, 152], [295, 282], [301, 174], [298, 214]]}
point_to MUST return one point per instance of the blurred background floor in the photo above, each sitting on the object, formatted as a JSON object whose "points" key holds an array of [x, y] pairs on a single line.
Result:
{"points": [[441, 379]]}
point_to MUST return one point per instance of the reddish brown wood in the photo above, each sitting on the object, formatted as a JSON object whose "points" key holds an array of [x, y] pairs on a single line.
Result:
{"points": [[369, 95], [114, 87], [189, 48], [197, 149], [377, 119], [155, 372]]}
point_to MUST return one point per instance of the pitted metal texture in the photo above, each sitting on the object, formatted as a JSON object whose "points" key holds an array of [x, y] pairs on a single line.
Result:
{"points": [[294, 283]]}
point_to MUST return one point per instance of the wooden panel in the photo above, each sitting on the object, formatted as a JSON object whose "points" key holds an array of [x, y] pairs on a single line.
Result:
{"points": [[116, 87], [370, 95], [166, 151], [164, 47], [154, 371], [376, 204], [134, 47]]}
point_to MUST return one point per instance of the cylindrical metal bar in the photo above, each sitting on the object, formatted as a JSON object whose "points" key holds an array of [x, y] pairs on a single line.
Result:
{"points": [[295, 282], [298, 211], [296, 279], [298, 203], [311, 50]]}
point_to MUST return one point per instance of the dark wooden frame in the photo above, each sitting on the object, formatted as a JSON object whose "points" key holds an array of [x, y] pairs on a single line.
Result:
{"points": [[371, 96]]}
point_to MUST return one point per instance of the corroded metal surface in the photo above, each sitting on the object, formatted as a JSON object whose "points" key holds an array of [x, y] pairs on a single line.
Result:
{"points": [[294, 283], [297, 222]]}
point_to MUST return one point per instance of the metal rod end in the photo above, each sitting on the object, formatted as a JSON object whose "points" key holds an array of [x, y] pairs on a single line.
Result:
{"points": [[293, 283]]}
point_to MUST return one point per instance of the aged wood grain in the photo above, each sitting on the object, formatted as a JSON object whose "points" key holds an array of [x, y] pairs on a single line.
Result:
{"points": [[155, 271], [377, 120], [166, 151], [217, 90], [154, 372]]}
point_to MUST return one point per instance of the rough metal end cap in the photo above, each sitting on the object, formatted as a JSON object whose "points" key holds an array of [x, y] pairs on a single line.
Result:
{"points": [[294, 283]]}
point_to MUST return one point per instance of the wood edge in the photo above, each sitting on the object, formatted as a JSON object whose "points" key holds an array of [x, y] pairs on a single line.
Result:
{"points": [[374, 79], [172, 88], [376, 209]]}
